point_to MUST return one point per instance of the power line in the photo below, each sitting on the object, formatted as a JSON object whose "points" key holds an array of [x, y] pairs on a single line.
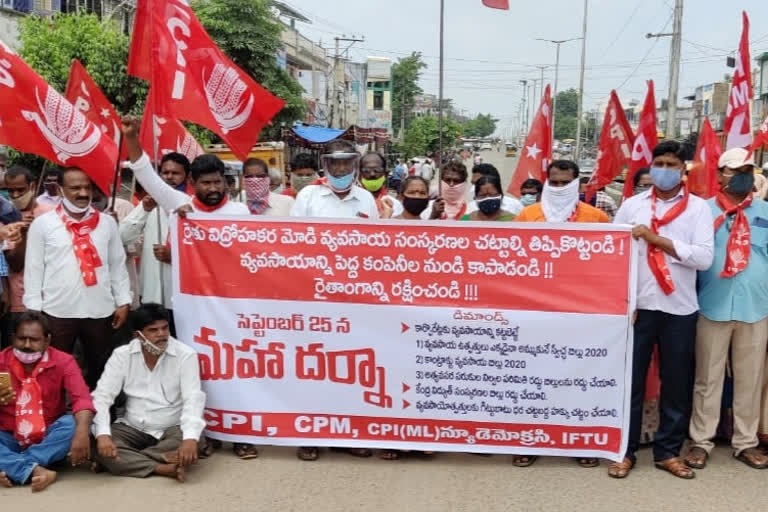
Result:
{"points": [[645, 57], [621, 32]]}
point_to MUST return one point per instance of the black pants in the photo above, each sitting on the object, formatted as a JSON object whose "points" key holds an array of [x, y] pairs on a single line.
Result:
{"points": [[676, 337], [96, 335]]}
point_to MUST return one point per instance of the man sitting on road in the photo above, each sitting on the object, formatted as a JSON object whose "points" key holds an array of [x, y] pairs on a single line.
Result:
{"points": [[35, 429], [163, 418]]}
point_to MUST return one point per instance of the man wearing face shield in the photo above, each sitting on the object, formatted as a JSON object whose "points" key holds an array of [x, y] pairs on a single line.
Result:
{"points": [[340, 197], [560, 198], [163, 419], [733, 297], [674, 230]]}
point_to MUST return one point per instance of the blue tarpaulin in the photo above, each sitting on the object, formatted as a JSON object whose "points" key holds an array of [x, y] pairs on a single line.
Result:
{"points": [[317, 134]]}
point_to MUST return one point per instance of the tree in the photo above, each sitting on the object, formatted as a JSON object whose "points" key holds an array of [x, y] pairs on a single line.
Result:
{"points": [[567, 103], [49, 45], [247, 32], [565, 127], [423, 138], [481, 126], [405, 86]]}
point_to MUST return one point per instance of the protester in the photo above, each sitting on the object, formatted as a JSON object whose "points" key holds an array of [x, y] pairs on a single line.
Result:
{"points": [[207, 173], [642, 181], [733, 319], [560, 198], [163, 420], [452, 203], [600, 199], [414, 196], [675, 233], [341, 197], [50, 195], [415, 169], [761, 184], [148, 223], [303, 173], [530, 192], [510, 204], [21, 190], [398, 175], [373, 176], [34, 438], [427, 171], [488, 197], [276, 185], [75, 273], [257, 194], [230, 176]]}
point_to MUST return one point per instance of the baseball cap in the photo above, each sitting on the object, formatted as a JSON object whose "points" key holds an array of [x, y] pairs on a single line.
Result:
{"points": [[735, 158]]}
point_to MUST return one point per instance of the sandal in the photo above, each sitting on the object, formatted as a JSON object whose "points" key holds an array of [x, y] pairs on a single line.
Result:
{"points": [[696, 458], [389, 454], [207, 447], [359, 452], [753, 458], [307, 453], [245, 451], [523, 461], [587, 462], [620, 469], [675, 466]]}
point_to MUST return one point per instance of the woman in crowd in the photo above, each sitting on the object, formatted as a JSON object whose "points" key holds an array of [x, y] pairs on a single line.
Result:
{"points": [[488, 196], [642, 181], [452, 203], [414, 196]]}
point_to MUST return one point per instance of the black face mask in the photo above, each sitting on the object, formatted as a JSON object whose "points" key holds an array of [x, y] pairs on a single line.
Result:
{"points": [[415, 205]]}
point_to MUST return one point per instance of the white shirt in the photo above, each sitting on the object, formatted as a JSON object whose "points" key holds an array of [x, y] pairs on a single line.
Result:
{"points": [[427, 172], [168, 197], [45, 199], [692, 233], [278, 205], [158, 399], [509, 204], [141, 222], [320, 201], [53, 282]]}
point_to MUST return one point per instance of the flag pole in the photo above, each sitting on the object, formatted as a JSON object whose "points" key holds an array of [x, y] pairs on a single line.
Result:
{"points": [[116, 177], [440, 101]]}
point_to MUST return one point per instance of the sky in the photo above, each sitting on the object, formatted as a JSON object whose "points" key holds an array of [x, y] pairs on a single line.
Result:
{"points": [[488, 52]]}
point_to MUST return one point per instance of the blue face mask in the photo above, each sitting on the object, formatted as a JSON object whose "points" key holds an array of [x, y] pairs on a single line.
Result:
{"points": [[666, 179], [342, 183], [528, 199], [489, 205]]}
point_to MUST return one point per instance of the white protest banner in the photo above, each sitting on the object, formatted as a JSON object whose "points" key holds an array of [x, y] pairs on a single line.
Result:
{"points": [[446, 336]]}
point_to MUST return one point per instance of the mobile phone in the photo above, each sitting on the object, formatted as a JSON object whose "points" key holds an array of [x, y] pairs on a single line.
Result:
{"points": [[5, 380]]}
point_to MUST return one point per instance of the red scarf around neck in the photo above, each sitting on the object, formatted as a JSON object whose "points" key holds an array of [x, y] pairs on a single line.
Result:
{"points": [[85, 251], [738, 248], [656, 259], [202, 207], [30, 421]]}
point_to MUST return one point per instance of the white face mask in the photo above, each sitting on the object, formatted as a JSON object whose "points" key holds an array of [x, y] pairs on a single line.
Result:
{"points": [[558, 203], [72, 208], [151, 347]]}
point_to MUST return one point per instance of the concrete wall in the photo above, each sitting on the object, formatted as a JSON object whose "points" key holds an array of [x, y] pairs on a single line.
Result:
{"points": [[9, 28]]}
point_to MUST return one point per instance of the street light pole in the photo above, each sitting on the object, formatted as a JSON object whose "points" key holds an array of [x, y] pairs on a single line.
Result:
{"points": [[577, 151], [670, 131], [557, 43], [440, 110]]}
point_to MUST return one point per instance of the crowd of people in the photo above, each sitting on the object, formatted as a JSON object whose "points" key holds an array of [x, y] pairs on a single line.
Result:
{"points": [[91, 371]]}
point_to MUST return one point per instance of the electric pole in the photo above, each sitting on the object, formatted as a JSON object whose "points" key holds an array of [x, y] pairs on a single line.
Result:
{"points": [[338, 114], [577, 151], [557, 43], [674, 69]]}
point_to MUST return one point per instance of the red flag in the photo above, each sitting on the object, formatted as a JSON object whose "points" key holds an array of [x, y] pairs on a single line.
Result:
{"points": [[702, 180], [497, 4], [614, 153], [645, 140], [35, 118], [193, 79], [738, 120], [537, 152], [762, 137], [170, 133], [86, 96]]}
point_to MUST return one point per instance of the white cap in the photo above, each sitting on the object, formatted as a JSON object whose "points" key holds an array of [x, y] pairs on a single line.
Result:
{"points": [[736, 158]]}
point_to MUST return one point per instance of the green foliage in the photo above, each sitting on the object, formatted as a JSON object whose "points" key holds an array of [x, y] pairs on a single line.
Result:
{"points": [[405, 86], [423, 137], [481, 126], [567, 103], [49, 45], [565, 127], [246, 31]]}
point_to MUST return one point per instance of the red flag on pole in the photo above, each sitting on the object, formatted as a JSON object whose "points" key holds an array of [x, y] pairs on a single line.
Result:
{"points": [[86, 96], [497, 4], [193, 79], [168, 133], [762, 137], [35, 118], [537, 151], [702, 180], [614, 152], [645, 140], [738, 120]]}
